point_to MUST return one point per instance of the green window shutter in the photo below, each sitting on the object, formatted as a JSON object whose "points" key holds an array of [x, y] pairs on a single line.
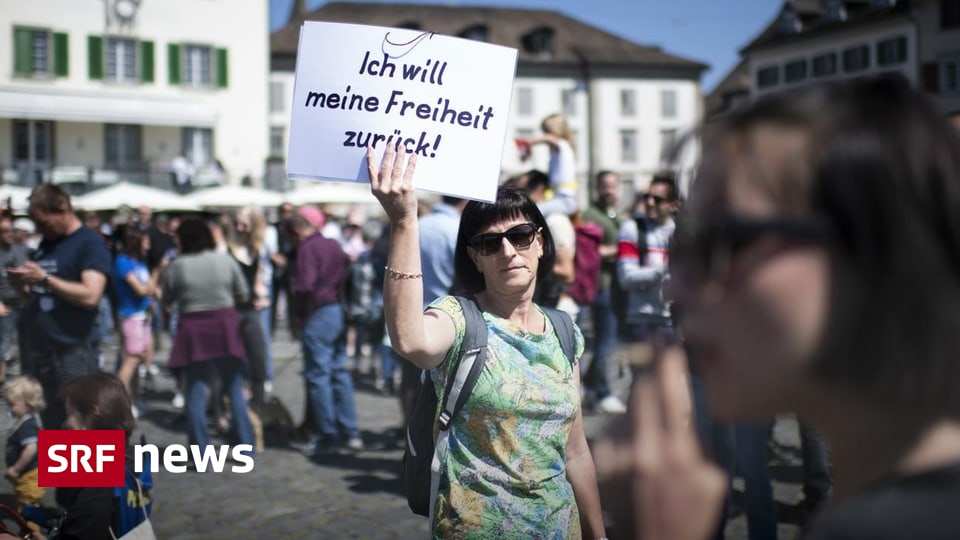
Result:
{"points": [[222, 72], [23, 51], [61, 58], [146, 61], [95, 56], [173, 62]]}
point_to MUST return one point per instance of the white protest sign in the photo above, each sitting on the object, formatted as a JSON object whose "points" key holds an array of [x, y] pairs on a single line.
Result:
{"points": [[446, 99]]}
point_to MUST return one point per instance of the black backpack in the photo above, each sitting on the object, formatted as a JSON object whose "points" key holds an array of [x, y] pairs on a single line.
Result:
{"points": [[422, 454]]}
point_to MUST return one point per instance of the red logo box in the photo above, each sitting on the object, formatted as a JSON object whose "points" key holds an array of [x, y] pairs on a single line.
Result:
{"points": [[81, 458]]}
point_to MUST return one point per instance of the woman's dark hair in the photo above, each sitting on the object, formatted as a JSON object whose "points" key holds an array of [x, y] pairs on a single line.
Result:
{"points": [[102, 402], [882, 171], [194, 236], [133, 243], [511, 204]]}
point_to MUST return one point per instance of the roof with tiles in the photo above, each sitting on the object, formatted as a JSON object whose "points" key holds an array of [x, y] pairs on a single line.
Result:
{"points": [[570, 41], [813, 20]]}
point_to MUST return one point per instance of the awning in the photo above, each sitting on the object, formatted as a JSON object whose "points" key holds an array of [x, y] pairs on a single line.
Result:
{"points": [[41, 104]]}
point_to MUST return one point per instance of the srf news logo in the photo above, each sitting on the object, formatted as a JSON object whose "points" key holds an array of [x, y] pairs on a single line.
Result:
{"points": [[97, 458]]}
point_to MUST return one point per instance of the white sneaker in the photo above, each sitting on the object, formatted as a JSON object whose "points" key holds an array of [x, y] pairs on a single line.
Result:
{"points": [[611, 405], [178, 401], [153, 370], [268, 387], [143, 371]]}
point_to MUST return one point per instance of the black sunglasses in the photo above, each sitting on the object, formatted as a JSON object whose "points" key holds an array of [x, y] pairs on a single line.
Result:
{"points": [[656, 198], [520, 236], [708, 251]]}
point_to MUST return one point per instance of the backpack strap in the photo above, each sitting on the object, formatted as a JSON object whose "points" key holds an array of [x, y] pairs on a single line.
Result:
{"points": [[563, 326], [466, 370], [468, 365]]}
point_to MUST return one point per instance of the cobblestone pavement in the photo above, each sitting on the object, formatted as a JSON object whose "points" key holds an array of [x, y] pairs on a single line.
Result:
{"points": [[289, 496]]}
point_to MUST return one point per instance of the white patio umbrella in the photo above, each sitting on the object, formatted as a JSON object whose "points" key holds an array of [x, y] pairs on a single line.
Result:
{"points": [[330, 193], [18, 196], [234, 197], [123, 193]]}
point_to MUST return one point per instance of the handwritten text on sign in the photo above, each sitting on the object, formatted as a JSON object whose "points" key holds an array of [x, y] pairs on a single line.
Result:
{"points": [[445, 99]]}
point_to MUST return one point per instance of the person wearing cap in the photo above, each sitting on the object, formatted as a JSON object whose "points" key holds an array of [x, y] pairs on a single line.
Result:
{"points": [[63, 281], [321, 266]]}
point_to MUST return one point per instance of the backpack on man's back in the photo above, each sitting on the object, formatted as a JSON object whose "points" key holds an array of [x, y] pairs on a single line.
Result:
{"points": [[587, 263], [422, 454]]}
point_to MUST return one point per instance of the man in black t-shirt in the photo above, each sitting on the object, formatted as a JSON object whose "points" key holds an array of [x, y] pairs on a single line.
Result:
{"points": [[63, 282]]}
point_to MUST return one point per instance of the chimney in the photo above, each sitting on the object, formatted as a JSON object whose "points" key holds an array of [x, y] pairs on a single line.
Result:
{"points": [[298, 11]]}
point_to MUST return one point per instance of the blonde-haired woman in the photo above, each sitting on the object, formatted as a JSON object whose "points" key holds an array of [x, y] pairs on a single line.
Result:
{"points": [[562, 170], [244, 238]]}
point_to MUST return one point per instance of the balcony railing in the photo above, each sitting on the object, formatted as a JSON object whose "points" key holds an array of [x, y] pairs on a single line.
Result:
{"points": [[79, 179]]}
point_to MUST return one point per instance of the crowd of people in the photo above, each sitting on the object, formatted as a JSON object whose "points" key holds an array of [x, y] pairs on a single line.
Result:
{"points": [[791, 281]]}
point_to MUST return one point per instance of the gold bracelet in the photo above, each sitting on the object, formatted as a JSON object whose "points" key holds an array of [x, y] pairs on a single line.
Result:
{"points": [[396, 274]]}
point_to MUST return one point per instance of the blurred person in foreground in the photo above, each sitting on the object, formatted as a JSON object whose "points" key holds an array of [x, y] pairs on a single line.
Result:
{"points": [[519, 486], [817, 271]]}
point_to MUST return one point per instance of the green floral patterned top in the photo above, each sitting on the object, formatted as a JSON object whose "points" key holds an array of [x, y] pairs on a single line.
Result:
{"points": [[504, 475]]}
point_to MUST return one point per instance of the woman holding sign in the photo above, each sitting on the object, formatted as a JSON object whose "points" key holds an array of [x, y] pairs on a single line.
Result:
{"points": [[518, 464]]}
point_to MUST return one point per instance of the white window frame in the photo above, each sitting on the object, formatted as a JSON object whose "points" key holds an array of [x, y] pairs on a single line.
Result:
{"points": [[668, 103], [628, 102], [195, 73], [198, 139], [278, 96], [524, 101], [41, 50], [278, 141], [629, 146], [115, 67], [568, 98]]}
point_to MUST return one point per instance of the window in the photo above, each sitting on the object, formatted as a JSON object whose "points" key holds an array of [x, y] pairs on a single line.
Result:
{"points": [[39, 53], [197, 66], [628, 145], [950, 76], [477, 32], [524, 101], [856, 58], [892, 51], [834, 10], [949, 13], [120, 61], [825, 64], [122, 146], [768, 76], [569, 100], [539, 42], [278, 97], [277, 143], [628, 102], [668, 103], [198, 145], [200, 66], [789, 22], [795, 71], [32, 140], [668, 139]]}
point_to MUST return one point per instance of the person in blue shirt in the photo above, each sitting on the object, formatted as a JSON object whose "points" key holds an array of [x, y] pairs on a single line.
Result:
{"points": [[136, 288]]}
